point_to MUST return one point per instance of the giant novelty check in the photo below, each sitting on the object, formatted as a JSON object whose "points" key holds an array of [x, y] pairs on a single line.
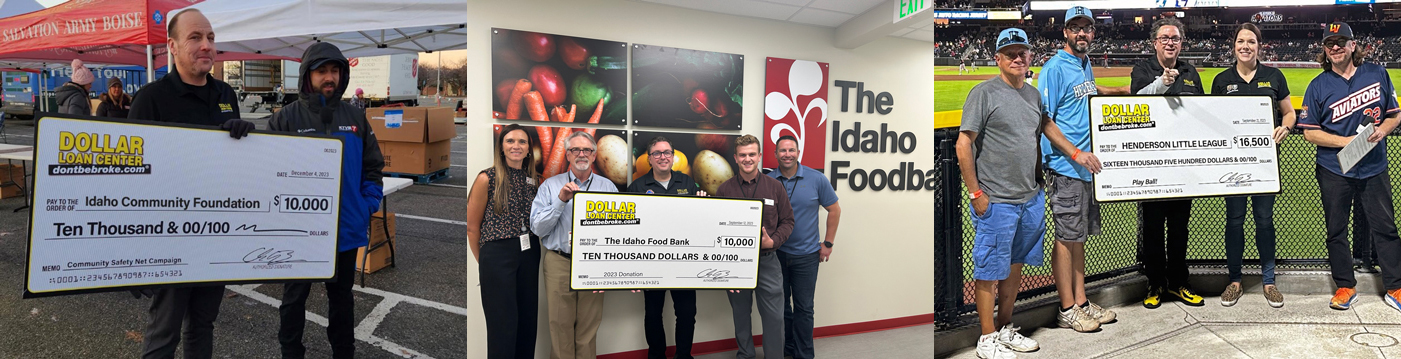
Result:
{"points": [[1161, 147], [634, 241], [120, 205]]}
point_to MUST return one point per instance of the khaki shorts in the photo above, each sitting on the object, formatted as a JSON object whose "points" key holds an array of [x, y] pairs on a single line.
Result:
{"points": [[1073, 208]]}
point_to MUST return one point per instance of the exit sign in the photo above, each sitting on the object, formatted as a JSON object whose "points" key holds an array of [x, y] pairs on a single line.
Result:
{"points": [[907, 8]]}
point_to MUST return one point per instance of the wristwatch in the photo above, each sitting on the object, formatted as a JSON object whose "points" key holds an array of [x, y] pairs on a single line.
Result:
{"points": [[827, 243]]}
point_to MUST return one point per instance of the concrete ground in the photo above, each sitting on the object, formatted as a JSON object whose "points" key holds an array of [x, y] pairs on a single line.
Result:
{"points": [[909, 342], [414, 310], [1304, 328]]}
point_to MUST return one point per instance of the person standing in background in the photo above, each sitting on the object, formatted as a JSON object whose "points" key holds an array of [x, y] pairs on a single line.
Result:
{"points": [[72, 97], [114, 103], [359, 99]]}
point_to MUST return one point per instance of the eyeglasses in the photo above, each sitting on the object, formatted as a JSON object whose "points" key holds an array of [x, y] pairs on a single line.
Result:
{"points": [[1016, 54], [1088, 29], [666, 153], [1169, 39], [1330, 43], [579, 150], [1011, 38]]}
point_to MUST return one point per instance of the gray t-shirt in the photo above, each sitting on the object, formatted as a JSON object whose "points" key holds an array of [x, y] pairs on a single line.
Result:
{"points": [[1007, 121]]}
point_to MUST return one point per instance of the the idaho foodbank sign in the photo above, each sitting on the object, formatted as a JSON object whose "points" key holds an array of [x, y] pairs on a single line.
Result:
{"points": [[852, 139], [908, 8]]}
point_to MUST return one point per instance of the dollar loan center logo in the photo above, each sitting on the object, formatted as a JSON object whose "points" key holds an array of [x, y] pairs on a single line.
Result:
{"points": [[81, 153], [603, 213], [1125, 117]]}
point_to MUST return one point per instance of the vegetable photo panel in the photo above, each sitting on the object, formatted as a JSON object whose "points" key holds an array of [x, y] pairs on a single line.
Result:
{"points": [[687, 88], [535, 73]]}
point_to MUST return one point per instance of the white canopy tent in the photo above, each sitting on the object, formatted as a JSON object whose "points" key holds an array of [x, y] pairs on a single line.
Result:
{"points": [[358, 27]]}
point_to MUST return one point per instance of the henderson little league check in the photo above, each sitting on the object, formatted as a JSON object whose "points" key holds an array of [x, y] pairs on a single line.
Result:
{"points": [[637, 241], [122, 205], [1165, 147]]}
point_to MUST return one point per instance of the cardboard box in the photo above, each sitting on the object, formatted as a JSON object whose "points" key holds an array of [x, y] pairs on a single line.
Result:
{"points": [[10, 191], [378, 259], [380, 254], [11, 173], [377, 223], [416, 158], [411, 124]]}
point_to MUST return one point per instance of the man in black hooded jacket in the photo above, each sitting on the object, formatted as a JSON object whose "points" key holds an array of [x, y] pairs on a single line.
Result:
{"points": [[324, 76]]}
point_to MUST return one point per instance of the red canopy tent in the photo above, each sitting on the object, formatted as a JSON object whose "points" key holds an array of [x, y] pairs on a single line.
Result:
{"points": [[99, 32], [113, 32]]}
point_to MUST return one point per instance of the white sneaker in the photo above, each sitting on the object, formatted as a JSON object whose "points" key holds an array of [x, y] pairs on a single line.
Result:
{"points": [[1077, 319], [1009, 337], [1101, 315], [989, 347]]}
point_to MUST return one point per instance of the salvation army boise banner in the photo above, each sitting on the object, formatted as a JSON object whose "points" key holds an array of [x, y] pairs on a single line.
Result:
{"points": [[795, 104]]}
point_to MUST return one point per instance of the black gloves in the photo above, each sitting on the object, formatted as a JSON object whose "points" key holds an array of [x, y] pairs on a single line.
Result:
{"points": [[237, 128]]}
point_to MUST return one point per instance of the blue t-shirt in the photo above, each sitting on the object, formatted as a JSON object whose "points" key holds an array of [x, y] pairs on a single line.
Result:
{"points": [[807, 190], [1066, 85], [1337, 106]]}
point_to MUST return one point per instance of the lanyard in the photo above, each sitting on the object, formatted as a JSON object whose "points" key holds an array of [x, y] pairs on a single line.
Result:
{"points": [[756, 187], [587, 184], [790, 190]]}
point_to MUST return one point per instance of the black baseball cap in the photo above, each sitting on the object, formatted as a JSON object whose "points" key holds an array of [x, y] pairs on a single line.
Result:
{"points": [[1338, 29]]}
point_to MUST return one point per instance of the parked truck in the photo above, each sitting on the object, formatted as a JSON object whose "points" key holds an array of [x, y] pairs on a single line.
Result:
{"points": [[274, 82], [386, 79], [19, 93], [22, 93]]}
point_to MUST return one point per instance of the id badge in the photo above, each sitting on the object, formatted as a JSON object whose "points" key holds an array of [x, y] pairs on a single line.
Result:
{"points": [[525, 242], [768, 201]]}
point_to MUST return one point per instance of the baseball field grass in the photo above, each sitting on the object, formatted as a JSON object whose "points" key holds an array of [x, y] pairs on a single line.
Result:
{"points": [[1297, 216]]}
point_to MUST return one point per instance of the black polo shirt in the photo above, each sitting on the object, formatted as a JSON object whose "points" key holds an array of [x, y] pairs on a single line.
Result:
{"points": [[172, 100], [1268, 81], [1188, 81], [680, 184]]}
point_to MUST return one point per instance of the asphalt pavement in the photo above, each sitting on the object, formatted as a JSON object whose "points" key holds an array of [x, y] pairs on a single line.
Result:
{"points": [[414, 310]]}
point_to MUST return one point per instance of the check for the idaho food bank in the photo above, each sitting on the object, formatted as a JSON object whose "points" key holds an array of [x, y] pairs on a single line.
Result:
{"points": [[120, 205], [636, 241], [1162, 147]]}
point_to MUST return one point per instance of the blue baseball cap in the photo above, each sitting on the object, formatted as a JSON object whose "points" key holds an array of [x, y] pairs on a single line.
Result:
{"points": [[1077, 12], [1338, 29], [1012, 36]]}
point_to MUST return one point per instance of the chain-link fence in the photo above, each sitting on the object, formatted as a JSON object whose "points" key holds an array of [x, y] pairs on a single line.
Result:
{"points": [[1298, 217]]}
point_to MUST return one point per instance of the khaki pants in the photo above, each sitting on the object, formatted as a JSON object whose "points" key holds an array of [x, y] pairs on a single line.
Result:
{"points": [[574, 316]]}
